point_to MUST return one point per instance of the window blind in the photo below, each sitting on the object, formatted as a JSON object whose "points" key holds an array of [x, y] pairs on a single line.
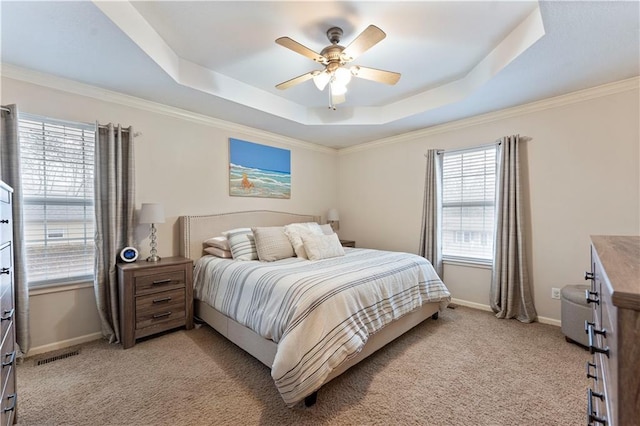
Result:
{"points": [[57, 161], [468, 204]]}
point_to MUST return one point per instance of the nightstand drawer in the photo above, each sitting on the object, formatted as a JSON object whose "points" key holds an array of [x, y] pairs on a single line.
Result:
{"points": [[160, 301], [159, 281], [162, 317], [159, 308]]}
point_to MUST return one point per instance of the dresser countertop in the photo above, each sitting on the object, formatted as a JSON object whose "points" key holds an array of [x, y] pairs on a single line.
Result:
{"points": [[620, 257]]}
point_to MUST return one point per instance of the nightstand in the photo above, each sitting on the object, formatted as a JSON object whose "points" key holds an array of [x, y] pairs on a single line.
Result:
{"points": [[154, 297], [348, 243]]}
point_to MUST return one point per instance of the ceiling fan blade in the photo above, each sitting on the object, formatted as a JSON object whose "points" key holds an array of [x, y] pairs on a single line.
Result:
{"points": [[298, 48], [381, 76], [296, 80], [371, 36]]}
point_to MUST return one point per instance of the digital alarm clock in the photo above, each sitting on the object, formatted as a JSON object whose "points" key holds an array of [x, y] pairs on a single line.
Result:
{"points": [[129, 254]]}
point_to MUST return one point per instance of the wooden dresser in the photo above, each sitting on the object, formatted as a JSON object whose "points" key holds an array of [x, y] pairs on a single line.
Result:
{"points": [[614, 337], [154, 297], [7, 308]]}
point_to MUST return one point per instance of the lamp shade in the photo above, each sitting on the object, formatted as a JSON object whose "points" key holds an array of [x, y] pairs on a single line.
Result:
{"points": [[321, 79], [151, 213], [332, 215]]}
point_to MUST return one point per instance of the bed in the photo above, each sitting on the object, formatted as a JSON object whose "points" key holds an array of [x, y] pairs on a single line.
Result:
{"points": [[301, 363]]}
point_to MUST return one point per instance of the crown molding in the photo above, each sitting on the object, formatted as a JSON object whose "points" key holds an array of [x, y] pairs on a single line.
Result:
{"points": [[66, 85], [549, 103], [82, 89]]}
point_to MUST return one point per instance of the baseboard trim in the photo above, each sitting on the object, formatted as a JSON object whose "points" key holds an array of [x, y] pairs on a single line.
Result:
{"points": [[64, 344], [473, 305], [480, 306]]}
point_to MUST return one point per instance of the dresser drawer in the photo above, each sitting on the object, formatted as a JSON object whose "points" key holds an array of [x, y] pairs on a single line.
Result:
{"points": [[159, 281], [6, 268], [161, 307], [7, 311], [7, 358], [9, 400], [6, 214]]}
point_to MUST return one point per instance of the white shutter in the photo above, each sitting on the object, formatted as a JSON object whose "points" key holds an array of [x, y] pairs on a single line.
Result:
{"points": [[468, 204], [57, 160]]}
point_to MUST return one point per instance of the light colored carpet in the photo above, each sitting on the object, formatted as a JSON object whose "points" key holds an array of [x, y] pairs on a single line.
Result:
{"points": [[466, 368]]}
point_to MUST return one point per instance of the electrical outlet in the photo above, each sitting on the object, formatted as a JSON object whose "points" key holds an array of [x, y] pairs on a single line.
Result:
{"points": [[555, 293]]}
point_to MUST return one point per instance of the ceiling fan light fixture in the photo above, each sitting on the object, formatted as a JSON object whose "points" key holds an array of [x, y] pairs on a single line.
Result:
{"points": [[337, 88], [321, 79], [342, 76]]}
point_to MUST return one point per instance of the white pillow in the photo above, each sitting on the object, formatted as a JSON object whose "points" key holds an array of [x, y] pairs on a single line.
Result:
{"points": [[294, 232], [327, 229], [272, 244], [218, 252], [219, 242], [242, 244], [322, 246]]}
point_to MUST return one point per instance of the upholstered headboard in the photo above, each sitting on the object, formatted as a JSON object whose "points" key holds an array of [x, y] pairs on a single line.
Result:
{"points": [[195, 229]]}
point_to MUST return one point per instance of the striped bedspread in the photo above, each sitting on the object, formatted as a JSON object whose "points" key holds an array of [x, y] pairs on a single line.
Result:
{"points": [[320, 313]]}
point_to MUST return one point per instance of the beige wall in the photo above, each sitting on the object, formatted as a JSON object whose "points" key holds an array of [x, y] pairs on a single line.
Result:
{"points": [[583, 177], [583, 174], [180, 163]]}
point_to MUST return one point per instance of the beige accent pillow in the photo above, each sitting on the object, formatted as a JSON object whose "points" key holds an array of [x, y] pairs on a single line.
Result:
{"points": [[295, 231], [219, 242], [322, 246], [218, 252], [272, 243]]}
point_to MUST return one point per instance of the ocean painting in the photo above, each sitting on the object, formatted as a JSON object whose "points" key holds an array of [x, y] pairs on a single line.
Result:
{"points": [[258, 170]]}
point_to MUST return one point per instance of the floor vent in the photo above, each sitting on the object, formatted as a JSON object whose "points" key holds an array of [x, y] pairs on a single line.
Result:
{"points": [[49, 359]]}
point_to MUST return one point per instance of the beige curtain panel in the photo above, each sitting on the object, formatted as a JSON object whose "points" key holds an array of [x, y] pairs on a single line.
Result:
{"points": [[510, 290], [431, 234], [114, 209]]}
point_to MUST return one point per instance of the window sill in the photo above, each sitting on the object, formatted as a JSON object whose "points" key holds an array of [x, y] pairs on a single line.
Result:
{"points": [[468, 263], [57, 288]]}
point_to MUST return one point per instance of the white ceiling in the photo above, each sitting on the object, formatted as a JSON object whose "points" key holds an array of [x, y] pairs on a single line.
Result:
{"points": [[220, 59]]}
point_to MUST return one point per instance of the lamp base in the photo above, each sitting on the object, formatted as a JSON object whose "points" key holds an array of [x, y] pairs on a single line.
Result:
{"points": [[154, 258]]}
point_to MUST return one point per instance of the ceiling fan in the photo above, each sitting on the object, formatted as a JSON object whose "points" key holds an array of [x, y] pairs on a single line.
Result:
{"points": [[334, 58]]}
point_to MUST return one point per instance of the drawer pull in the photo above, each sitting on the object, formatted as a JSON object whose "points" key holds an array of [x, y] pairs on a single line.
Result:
{"points": [[13, 404], [5, 271], [164, 299], [589, 276], [592, 415], [13, 358], [593, 348], [8, 315], [4, 221], [168, 280], [588, 324], [162, 315], [588, 294], [591, 365]]}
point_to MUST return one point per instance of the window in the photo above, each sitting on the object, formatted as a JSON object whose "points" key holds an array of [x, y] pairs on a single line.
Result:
{"points": [[57, 185], [468, 204]]}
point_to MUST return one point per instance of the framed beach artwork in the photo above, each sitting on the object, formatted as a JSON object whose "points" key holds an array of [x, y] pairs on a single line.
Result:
{"points": [[258, 170]]}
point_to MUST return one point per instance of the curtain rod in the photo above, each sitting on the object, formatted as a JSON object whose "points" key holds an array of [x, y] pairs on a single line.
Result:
{"points": [[106, 126], [478, 147]]}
